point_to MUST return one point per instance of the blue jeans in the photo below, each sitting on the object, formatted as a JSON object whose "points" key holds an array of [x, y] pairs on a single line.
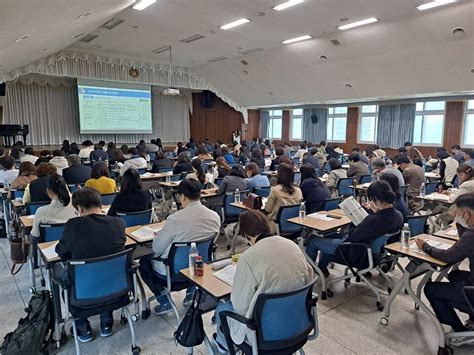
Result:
{"points": [[327, 246], [222, 306]]}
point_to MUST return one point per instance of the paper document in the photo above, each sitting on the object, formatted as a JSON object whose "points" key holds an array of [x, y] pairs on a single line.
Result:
{"points": [[31, 216], [264, 201], [438, 245], [437, 196], [367, 184], [353, 210], [50, 252], [145, 234], [226, 274], [320, 216]]}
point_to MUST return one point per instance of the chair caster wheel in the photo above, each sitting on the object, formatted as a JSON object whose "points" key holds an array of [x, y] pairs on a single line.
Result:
{"points": [[417, 306], [123, 320], [445, 351], [384, 321], [379, 306], [135, 317], [330, 293], [389, 290], [32, 290], [323, 295], [43, 283], [146, 313], [136, 350]]}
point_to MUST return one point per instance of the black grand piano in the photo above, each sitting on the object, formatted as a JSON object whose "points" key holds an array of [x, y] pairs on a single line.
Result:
{"points": [[9, 132]]}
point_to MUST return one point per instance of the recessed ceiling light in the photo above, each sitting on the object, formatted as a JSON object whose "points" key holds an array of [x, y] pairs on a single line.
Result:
{"points": [[287, 4], [458, 31], [436, 3], [235, 24], [297, 39], [22, 38], [143, 4], [358, 23], [344, 19]]}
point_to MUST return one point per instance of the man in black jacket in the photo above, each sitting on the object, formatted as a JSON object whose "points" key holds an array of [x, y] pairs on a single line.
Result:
{"points": [[91, 235], [76, 173], [445, 297]]}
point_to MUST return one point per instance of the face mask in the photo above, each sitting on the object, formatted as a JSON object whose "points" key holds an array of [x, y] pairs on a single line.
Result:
{"points": [[461, 221]]}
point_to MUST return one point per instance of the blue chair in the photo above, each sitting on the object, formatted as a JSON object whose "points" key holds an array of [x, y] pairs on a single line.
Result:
{"points": [[177, 260], [343, 188], [284, 228], [263, 191], [152, 156], [230, 214], [430, 187], [136, 218], [176, 177], [51, 232], [218, 181], [141, 171], [74, 187], [417, 224], [17, 194], [455, 181], [107, 199], [33, 206], [17, 164], [327, 167], [100, 285], [164, 170], [331, 204], [283, 322], [364, 179]]}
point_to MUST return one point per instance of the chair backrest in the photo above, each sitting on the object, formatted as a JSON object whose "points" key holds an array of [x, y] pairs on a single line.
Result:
{"points": [[284, 213], [17, 164], [218, 181], [277, 328], [100, 280], [51, 232], [152, 156], [141, 171], [74, 187], [331, 204], [17, 194], [229, 210], [163, 169], [176, 177], [343, 188], [364, 179], [456, 181], [107, 199], [417, 224], [262, 191], [327, 167], [33, 206], [136, 218], [178, 257], [430, 187]]}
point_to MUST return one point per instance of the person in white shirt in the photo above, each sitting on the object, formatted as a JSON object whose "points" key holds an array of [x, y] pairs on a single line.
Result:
{"points": [[300, 152], [192, 223], [29, 156], [10, 173], [60, 210], [59, 161], [272, 264], [87, 149], [135, 162]]}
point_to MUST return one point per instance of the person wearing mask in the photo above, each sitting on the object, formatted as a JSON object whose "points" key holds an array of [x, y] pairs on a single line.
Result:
{"points": [[271, 264], [199, 174], [283, 193], [36, 191], [100, 179], [336, 173], [363, 158], [447, 166], [380, 169], [466, 182], [132, 196], [29, 156], [399, 203], [254, 179], [257, 157], [279, 152], [135, 161], [76, 173], [59, 210], [26, 174], [447, 297], [384, 220], [161, 161], [414, 176], [357, 168], [235, 180], [223, 168], [191, 223], [458, 154], [59, 161], [313, 189], [98, 154], [66, 147], [87, 148], [91, 235], [10, 173], [183, 165], [203, 154], [469, 156]]}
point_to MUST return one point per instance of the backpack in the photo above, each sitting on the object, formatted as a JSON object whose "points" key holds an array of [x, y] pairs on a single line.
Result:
{"points": [[29, 337]]}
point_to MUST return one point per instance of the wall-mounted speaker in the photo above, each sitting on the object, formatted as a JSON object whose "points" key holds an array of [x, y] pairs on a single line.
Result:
{"points": [[314, 119], [3, 87]]}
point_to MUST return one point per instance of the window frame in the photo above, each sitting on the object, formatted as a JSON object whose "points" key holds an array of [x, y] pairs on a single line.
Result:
{"points": [[467, 111], [430, 113], [332, 116], [299, 117], [368, 114], [270, 123]]}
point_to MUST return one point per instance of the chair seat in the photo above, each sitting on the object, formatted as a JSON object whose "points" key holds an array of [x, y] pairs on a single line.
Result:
{"points": [[85, 312], [247, 349]]}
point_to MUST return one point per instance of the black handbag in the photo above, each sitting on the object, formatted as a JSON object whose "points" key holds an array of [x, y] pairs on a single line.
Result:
{"points": [[190, 331]]}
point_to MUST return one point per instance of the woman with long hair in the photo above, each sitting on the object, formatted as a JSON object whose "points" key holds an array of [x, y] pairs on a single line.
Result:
{"points": [[313, 189], [100, 179]]}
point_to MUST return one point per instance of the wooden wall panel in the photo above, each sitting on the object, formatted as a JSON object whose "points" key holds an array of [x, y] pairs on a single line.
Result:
{"points": [[253, 127], [453, 123]]}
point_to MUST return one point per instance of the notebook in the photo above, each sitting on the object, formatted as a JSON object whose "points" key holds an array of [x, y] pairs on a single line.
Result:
{"points": [[50, 252], [146, 234], [226, 274], [353, 210]]}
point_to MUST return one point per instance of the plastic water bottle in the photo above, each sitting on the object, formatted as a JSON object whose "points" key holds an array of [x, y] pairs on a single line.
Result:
{"points": [[237, 196], [422, 190], [174, 207], [193, 253], [405, 236], [302, 211]]}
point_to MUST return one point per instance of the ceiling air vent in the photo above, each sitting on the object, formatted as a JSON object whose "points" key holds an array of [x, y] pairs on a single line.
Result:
{"points": [[88, 38], [161, 49], [335, 42], [253, 50], [112, 23], [217, 59], [192, 38]]}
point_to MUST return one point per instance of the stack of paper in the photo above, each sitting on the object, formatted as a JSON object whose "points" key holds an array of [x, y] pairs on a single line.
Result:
{"points": [[145, 234], [226, 274]]}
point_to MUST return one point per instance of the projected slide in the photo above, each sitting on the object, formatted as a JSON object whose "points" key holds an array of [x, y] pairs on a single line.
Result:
{"points": [[107, 107]]}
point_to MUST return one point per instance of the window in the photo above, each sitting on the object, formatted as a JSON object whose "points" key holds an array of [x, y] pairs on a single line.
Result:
{"points": [[368, 124], [429, 123], [297, 124], [275, 124], [337, 121], [468, 130]]}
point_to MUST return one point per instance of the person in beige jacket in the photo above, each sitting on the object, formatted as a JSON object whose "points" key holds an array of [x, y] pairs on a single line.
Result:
{"points": [[466, 182], [271, 265]]}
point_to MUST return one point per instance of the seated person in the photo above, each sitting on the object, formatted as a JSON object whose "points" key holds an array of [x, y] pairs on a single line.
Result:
{"points": [[59, 210], [257, 157], [466, 182], [203, 154], [87, 148], [192, 223], [336, 173], [235, 180], [10, 173], [447, 166], [357, 168], [446, 297], [313, 189], [91, 235], [76, 173], [229, 158], [279, 152], [272, 264], [200, 175], [29, 156], [59, 161], [380, 169], [399, 203], [45, 157], [135, 161], [254, 179], [132, 197], [26, 174], [100, 179], [362, 156], [385, 220], [223, 168], [36, 191], [161, 161], [414, 176], [283, 193], [98, 154], [183, 165], [309, 158]]}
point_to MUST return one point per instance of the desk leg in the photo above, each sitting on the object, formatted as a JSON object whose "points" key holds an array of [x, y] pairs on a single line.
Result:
{"points": [[145, 309], [54, 289], [32, 268], [234, 237]]}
